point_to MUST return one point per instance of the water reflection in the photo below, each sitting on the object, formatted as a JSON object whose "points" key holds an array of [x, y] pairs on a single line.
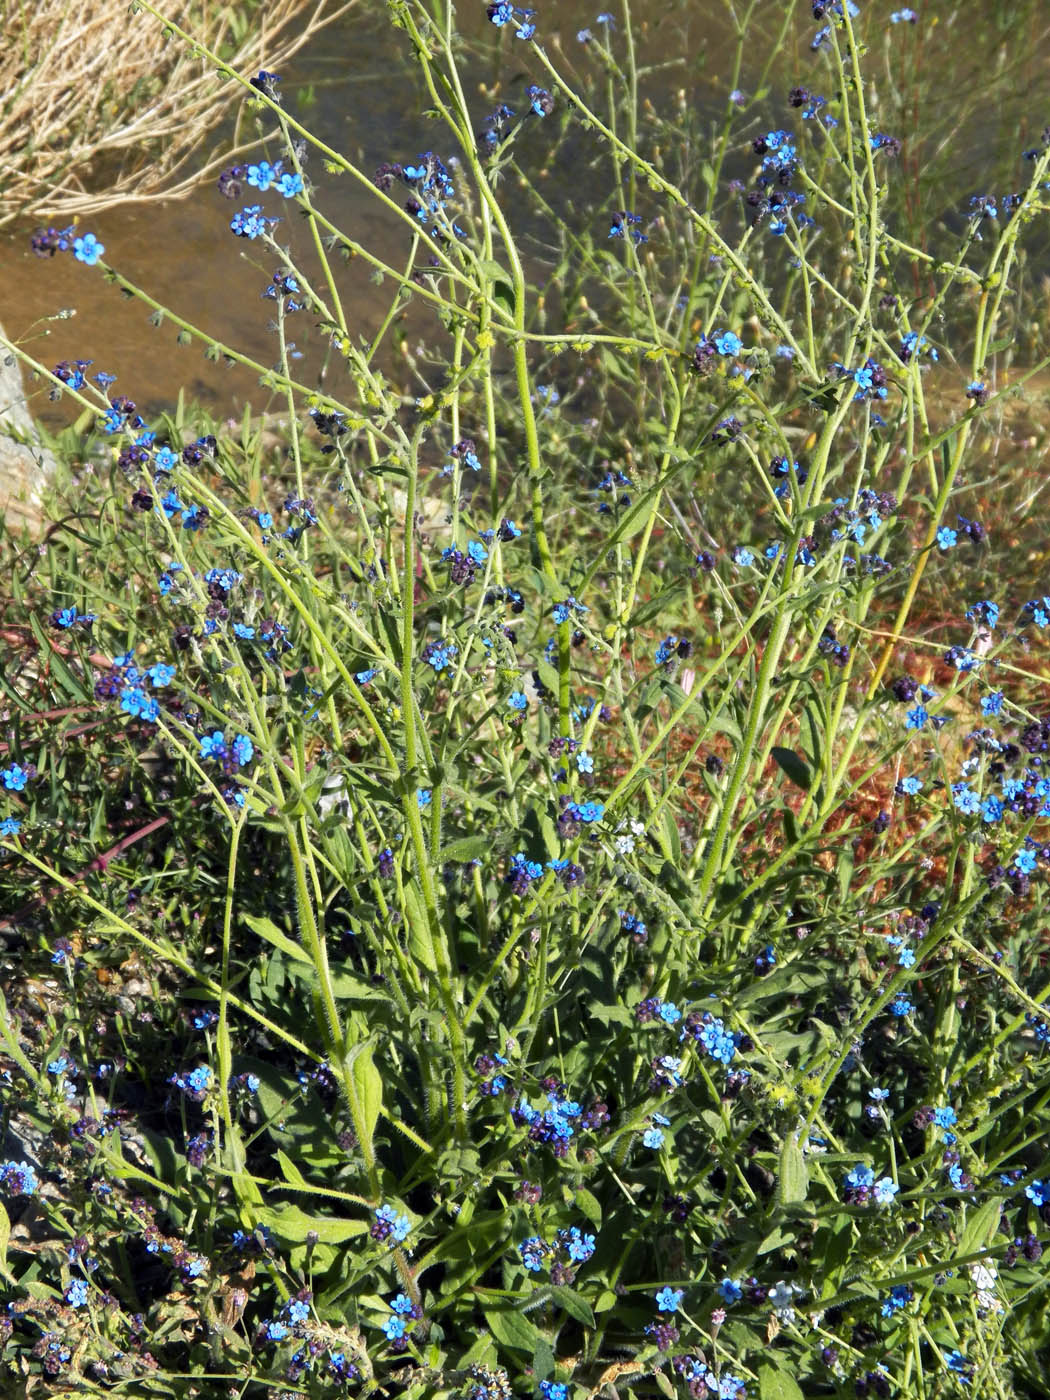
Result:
{"points": [[367, 101]]}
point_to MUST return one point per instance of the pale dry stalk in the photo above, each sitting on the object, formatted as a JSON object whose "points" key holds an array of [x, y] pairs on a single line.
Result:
{"points": [[99, 105]]}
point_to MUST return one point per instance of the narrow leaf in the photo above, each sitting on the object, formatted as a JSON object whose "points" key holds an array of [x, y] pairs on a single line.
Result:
{"points": [[794, 1174]]}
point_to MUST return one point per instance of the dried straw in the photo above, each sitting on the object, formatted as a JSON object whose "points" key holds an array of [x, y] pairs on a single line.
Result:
{"points": [[99, 105]]}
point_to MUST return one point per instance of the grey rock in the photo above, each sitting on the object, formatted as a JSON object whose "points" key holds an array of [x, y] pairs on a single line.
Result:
{"points": [[25, 465]]}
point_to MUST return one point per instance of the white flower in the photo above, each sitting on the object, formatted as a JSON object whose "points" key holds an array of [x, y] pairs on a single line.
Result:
{"points": [[780, 1297]]}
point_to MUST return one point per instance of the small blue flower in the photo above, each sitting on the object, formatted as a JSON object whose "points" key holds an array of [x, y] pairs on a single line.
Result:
{"points": [[653, 1137], [667, 1299], [10, 826], [423, 797], [518, 701], [213, 745], [730, 1291], [726, 343], [1025, 861], [916, 718], [18, 1178], [242, 750], [580, 1247], [77, 1293], [14, 777], [1038, 1192], [910, 786], [290, 183], [533, 1251], [946, 538], [88, 249]]}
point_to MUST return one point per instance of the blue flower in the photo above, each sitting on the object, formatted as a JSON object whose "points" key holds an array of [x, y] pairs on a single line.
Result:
{"points": [[730, 1291], [242, 750], [966, 800], [394, 1327], [533, 1251], [14, 777], [946, 537], [423, 797], [580, 1247], [901, 1005], [276, 1331], [518, 701], [1038, 1192], [1025, 861], [667, 1299], [554, 1390], [653, 1137], [955, 1361], [916, 718], [77, 1293], [859, 1177], [10, 826], [135, 701], [250, 223], [910, 786], [87, 249], [160, 674], [199, 1079], [388, 1222], [402, 1305], [18, 1178], [884, 1191], [213, 745], [726, 343], [992, 703]]}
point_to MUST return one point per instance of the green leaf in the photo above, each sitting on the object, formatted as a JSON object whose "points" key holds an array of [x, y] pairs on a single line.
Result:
{"points": [[368, 1088], [5, 1235], [588, 1205], [575, 1305], [465, 849], [794, 766], [794, 1174], [292, 1224], [777, 1385], [543, 1360], [513, 1329], [289, 1170], [981, 1225], [268, 930]]}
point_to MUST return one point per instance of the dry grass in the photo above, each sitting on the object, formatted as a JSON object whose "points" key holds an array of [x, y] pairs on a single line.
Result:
{"points": [[98, 105]]}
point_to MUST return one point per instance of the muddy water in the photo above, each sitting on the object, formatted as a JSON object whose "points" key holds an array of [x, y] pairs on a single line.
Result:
{"points": [[367, 102]]}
